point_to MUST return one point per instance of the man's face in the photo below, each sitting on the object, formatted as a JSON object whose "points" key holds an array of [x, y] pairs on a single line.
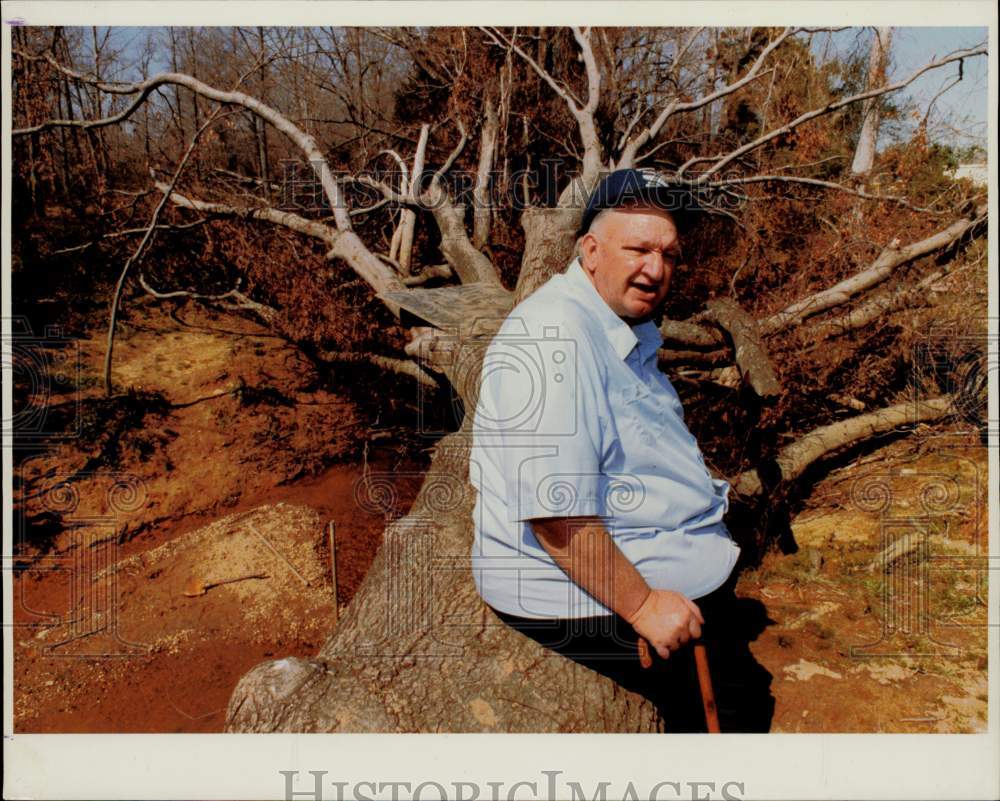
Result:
{"points": [[630, 255]]}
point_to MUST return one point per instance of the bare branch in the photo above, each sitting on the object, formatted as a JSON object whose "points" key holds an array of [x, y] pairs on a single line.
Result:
{"points": [[241, 301], [287, 219], [343, 244], [865, 313], [129, 232], [426, 274], [793, 460], [582, 112], [481, 209], [408, 217], [500, 40], [400, 366], [691, 334], [829, 108], [887, 262], [630, 157], [120, 284], [304, 141], [751, 355], [796, 179], [455, 153]]}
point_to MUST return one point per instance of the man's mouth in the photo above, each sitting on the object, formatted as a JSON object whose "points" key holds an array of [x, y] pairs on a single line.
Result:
{"points": [[649, 289]]}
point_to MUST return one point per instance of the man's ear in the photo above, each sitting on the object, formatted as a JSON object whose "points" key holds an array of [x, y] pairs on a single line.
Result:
{"points": [[588, 250]]}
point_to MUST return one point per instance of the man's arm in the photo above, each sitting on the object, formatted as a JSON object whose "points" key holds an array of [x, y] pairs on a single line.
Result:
{"points": [[583, 548]]}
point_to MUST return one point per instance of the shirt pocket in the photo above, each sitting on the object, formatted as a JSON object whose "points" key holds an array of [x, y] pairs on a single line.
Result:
{"points": [[643, 412]]}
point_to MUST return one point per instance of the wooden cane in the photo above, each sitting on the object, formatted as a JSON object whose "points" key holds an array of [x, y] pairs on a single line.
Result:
{"points": [[704, 680], [705, 683]]}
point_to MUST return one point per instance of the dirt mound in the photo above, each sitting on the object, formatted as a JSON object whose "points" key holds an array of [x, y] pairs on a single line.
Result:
{"points": [[162, 656]]}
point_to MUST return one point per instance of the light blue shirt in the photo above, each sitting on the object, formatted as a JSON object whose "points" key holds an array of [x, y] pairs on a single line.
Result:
{"points": [[574, 418]]}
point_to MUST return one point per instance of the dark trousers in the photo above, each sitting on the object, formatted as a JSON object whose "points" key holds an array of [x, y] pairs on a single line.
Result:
{"points": [[609, 645]]}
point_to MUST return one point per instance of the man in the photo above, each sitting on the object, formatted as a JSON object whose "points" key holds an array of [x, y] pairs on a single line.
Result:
{"points": [[597, 522]]}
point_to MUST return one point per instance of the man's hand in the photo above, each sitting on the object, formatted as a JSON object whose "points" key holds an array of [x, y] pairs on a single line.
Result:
{"points": [[584, 549], [667, 620]]}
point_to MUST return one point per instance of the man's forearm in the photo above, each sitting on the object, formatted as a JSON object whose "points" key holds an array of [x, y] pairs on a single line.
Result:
{"points": [[585, 550]]}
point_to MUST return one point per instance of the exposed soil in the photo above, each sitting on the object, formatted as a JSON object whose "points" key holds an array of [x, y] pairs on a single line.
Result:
{"points": [[868, 635], [242, 475], [214, 504]]}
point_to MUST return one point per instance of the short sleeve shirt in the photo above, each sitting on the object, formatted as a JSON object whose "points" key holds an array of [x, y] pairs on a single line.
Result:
{"points": [[573, 419]]}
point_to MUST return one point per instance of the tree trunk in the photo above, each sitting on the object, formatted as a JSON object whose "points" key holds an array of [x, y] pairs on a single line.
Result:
{"points": [[418, 651], [864, 153], [549, 238]]}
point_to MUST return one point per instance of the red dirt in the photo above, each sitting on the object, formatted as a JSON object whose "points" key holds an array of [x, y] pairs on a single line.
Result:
{"points": [[217, 460], [215, 479]]}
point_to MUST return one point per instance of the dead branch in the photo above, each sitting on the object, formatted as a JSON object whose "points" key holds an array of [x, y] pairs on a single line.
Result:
{"points": [[129, 232], [400, 366], [829, 108], [287, 219], [408, 217], [669, 356], [891, 258], [875, 308], [343, 244], [247, 179], [684, 332], [751, 355], [427, 273], [795, 179], [583, 112], [240, 301], [151, 228], [481, 209], [794, 459], [304, 141], [630, 154]]}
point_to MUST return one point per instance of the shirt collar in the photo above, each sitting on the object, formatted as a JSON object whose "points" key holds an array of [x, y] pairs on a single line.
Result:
{"points": [[623, 337]]}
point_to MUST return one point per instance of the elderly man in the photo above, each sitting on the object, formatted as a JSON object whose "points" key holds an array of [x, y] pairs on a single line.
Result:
{"points": [[597, 522]]}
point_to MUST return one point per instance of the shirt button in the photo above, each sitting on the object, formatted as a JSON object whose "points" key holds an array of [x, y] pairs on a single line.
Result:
{"points": [[646, 438]]}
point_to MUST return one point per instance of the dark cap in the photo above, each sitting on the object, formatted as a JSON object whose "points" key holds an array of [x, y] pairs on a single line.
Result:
{"points": [[629, 187]]}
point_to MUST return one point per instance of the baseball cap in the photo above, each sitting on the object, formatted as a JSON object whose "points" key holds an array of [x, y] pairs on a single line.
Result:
{"points": [[626, 187]]}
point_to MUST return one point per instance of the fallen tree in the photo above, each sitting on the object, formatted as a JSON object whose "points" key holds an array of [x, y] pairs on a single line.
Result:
{"points": [[416, 649]]}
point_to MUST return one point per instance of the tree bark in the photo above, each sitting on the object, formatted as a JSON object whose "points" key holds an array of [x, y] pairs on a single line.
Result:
{"points": [[751, 355], [482, 213], [549, 239], [794, 459], [418, 651], [864, 153]]}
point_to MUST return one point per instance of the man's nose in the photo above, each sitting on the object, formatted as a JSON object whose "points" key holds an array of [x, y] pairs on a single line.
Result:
{"points": [[655, 267]]}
